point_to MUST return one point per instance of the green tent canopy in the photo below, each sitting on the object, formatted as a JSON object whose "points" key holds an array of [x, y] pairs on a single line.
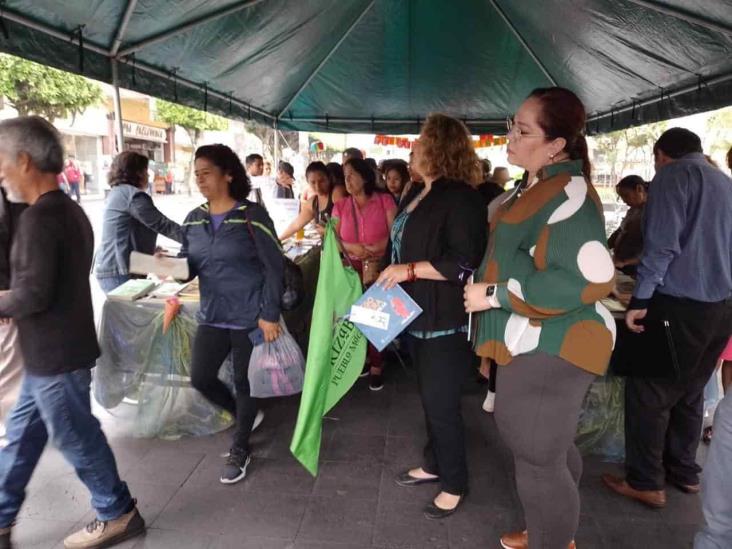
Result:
{"points": [[384, 65]]}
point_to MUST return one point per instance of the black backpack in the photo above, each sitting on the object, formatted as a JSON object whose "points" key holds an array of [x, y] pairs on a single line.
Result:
{"points": [[294, 292]]}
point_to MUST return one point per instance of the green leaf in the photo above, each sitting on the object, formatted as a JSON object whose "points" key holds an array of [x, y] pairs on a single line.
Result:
{"points": [[188, 118], [36, 89]]}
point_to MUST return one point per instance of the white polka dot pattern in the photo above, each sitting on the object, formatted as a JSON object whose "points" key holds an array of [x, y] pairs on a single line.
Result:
{"points": [[520, 336], [595, 263], [576, 191], [608, 319], [514, 286]]}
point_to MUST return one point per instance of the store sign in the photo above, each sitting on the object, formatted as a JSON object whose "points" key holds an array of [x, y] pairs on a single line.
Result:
{"points": [[141, 131]]}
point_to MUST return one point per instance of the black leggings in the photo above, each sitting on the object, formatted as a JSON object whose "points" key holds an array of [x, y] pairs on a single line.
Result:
{"points": [[210, 348]]}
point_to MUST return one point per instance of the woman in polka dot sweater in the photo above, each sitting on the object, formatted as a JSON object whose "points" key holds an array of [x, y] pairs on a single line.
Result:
{"points": [[545, 270]]}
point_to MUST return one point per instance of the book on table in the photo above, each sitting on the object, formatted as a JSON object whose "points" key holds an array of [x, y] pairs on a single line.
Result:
{"points": [[168, 289], [131, 290], [384, 314], [162, 266]]}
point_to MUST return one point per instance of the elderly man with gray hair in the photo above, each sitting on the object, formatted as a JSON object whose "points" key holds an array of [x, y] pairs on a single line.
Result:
{"points": [[50, 301]]}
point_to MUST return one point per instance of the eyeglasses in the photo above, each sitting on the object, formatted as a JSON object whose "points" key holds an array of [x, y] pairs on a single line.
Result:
{"points": [[515, 132]]}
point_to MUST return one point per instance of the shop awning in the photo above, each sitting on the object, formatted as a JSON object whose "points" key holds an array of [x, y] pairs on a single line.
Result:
{"points": [[383, 65]]}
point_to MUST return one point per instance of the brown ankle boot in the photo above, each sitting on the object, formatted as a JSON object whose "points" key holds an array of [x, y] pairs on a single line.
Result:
{"points": [[520, 540], [105, 533]]}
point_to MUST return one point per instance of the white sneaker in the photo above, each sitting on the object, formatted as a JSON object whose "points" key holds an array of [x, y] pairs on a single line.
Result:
{"points": [[257, 422], [490, 402]]}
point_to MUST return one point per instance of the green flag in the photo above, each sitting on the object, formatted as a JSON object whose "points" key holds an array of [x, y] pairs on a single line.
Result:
{"points": [[336, 352]]}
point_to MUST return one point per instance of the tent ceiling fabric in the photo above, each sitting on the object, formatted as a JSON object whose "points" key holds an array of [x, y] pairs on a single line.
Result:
{"points": [[383, 65]]}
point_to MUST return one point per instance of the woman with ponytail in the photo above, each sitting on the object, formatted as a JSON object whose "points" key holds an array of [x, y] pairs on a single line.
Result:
{"points": [[538, 291]]}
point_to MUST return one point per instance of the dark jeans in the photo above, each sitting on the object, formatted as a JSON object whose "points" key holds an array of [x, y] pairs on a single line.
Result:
{"points": [[538, 403], [59, 407], [443, 364], [663, 416], [112, 282], [75, 190], [210, 348]]}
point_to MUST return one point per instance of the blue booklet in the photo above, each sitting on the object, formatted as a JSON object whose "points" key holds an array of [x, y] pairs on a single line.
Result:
{"points": [[383, 314]]}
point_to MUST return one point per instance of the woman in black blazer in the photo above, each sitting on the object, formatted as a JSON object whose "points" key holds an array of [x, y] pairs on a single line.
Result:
{"points": [[437, 240]]}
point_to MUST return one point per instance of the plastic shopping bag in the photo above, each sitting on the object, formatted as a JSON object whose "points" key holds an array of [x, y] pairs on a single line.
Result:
{"points": [[276, 368]]}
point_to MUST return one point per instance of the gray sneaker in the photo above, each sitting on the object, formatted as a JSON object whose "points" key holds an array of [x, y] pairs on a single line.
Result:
{"points": [[236, 466], [257, 422]]}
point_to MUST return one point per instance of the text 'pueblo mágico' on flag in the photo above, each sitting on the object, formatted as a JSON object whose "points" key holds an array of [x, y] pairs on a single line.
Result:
{"points": [[336, 351]]}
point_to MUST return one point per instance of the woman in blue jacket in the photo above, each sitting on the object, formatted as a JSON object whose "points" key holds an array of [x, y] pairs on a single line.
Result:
{"points": [[231, 246]]}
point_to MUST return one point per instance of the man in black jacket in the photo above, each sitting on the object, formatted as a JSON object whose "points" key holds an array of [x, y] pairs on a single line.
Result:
{"points": [[50, 300], [11, 362]]}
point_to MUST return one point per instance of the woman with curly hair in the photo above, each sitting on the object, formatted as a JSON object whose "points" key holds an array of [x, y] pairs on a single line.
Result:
{"points": [[231, 246], [437, 239]]}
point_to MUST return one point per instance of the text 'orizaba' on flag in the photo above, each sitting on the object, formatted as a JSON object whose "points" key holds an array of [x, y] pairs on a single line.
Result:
{"points": [[336, 351]]}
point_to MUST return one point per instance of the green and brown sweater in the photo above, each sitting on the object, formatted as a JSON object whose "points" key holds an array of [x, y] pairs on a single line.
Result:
{"points": [[547, 253]]}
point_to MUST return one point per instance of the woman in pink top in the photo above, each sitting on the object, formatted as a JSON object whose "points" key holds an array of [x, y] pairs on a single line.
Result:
{"points": [[364, 224]]}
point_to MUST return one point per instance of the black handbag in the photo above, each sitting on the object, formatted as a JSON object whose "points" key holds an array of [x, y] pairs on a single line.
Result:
{"points": [[294, 291]]}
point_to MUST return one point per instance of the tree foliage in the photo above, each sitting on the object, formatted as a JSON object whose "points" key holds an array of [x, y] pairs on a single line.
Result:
{"points": [[188, 118], [195, 122], [618, 149], [718, 135], [32, 88], [288, 139]]}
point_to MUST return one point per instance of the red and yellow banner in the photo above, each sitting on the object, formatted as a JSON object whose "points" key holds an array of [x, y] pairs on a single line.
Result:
{"points": [[486, 140]]}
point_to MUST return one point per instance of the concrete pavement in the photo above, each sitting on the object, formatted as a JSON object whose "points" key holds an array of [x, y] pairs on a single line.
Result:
{"points": [[353, 504]]}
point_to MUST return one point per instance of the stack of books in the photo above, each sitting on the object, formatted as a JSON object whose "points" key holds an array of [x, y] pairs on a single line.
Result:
{"points": [[131, 290]]}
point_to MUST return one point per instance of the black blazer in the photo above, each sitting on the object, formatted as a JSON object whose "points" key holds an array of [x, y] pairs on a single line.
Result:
{"points": [[50, 299], [449, 229]]}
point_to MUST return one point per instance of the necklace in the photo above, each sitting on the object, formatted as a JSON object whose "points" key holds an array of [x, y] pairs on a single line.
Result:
{"points": [[417, 199]]}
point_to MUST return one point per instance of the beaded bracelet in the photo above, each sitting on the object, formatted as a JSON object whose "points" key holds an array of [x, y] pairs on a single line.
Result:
{"points": [[411, 273]]}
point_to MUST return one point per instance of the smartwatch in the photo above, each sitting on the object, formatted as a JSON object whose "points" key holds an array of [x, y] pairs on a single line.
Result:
{"points": [[490, 292]]}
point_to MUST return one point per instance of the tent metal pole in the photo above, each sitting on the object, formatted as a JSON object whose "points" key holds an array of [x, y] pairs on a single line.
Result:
{"points": [[523, 42], [118, 128], [72, 37], [122, 28], [276, 152], [326, 58], [684, 16], [666, 94], [187, 26]]}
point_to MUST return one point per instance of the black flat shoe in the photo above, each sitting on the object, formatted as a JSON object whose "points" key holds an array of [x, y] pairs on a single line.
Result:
{"points": [[431, 511], [405, 479]]}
